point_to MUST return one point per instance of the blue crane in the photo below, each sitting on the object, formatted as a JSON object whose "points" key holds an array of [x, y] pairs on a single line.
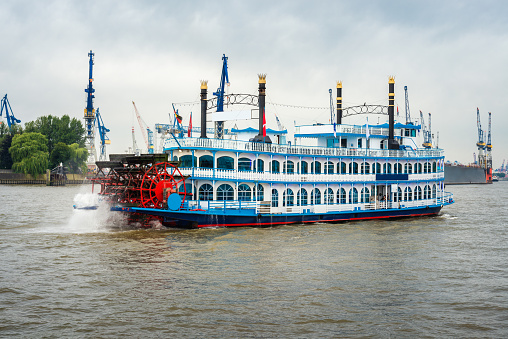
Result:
{"points": [[481, 142], [408, 113], [102, 133], [11, 120], [90, 114], [224, 79]]}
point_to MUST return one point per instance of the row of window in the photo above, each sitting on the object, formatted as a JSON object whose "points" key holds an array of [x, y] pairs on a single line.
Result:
{"points": [[226, 192], [304, 167]]}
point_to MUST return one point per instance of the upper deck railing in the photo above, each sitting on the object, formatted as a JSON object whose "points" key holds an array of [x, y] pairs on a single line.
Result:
{"points": [[245, 146]]}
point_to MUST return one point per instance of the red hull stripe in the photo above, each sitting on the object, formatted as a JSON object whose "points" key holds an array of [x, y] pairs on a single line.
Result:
{"points": [[314, 221]]}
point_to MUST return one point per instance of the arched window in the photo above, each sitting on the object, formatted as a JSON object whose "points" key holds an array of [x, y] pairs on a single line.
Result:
{"points": [[408, 194], [206, 192], [244, 164], [397, 168], [206, 161], [408, 168], [387, 168], [341, 167], [244, 192], [316, 167], [275, 198], [315, 196], [275, 166], [288, 198], [289, 167], [353, 167], [226, 162], [329, 196], [376, 168], [365, 195], [186, 161], [301, 197], [365, 168], [341, 196], [398, 195], [260, 192], [304, 167], [225, 192], [329, 167], [434, 191], [434, 167], [418, 193], [426, 192], [353, 196], [259, 165], [420, 170]]}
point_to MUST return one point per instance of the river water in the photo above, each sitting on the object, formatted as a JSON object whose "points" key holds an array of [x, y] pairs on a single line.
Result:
{"points": [[68, 273]]}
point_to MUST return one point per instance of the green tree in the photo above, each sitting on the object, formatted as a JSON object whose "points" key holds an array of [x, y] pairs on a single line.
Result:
{"points": [[77, 162], [64, 129], [5, 156], [61, 153], [29, 152]]}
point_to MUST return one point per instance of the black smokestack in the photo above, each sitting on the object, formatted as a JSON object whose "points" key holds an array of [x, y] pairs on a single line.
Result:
{"points": [[339, 102], [392, 143], [204, 89]]}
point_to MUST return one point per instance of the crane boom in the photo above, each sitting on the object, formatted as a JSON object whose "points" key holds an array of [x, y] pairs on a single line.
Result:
{"points": [[408, 114], [11, 120], [489, 143], [481, 142], [142, 125], [224, 79], [102, 134]]}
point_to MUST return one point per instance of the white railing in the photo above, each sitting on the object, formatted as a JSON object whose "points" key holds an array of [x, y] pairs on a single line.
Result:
{"points": [[234, 175], [236, 145]]}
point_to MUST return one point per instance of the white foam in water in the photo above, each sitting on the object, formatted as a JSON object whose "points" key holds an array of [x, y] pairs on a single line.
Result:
{"points": [[93, 220]]}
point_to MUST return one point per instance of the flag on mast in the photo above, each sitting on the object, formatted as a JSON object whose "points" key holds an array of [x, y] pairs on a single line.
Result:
{"points": [[189, 131], [264, 124]]}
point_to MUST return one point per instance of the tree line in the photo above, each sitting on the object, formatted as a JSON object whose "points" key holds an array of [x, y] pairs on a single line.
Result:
{"points": [[43, 144]]}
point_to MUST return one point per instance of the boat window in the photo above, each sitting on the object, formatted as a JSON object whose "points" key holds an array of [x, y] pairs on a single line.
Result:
{"points": [[301, 197], [244, 164], [175, 158], [288, 198], [387, 168], [186, 161], [398, 195], [365, 168], [315, 196], [418, 193], [206, 192], [408, 168], [244, 192], [328, 198], [260, 194], [359, 143], [397, 168], [275, 198], [353, 196], [341, 196], [316, 167], [304, 167], [206, 161], [259, 165], [329, 167], [365, 195], [407, 194], [275, 166], [434, 167], [426, 192], [353, 167], [376, 168], [434, 191], [341, 167], [225, 192], [289, 167], [419, 168], [226, 162], [426, 167]]}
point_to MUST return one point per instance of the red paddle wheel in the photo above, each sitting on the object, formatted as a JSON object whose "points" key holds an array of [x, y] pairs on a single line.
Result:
{"points": [[159, 182]]}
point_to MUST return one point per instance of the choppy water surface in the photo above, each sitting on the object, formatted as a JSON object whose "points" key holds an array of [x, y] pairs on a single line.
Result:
{"points": [[84, 274]]}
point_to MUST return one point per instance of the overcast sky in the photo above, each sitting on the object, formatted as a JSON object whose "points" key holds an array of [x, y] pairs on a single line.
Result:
{"points": [[452, 55]]}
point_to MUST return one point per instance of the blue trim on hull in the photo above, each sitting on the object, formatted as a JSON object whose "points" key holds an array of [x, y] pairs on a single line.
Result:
{"points": [[197, 219]]}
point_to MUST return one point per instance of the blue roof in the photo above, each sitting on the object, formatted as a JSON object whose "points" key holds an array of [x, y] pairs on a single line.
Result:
{"points": [[397, 125], [251, 130]]}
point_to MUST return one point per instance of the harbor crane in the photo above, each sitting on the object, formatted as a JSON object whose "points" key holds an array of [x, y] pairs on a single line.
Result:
{"points": [[5, 105], [102, 134], [427, 132], [481, 142], [488, 146], [90, 116], [408, 113], [224, 79], [147, 132]]}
